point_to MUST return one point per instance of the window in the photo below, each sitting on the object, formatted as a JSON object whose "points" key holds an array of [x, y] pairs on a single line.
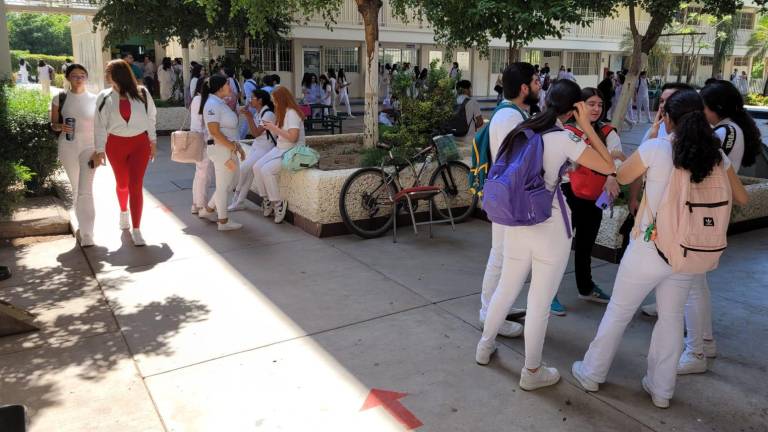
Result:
{"points": [[462, 58], [436, 56], [744, 20], [498, 59], [741, 61], [341, 58], [676, 65], [551, 54], [285, 55], [584, 63], [262, 55], [533, 57], [398, 55], [707, 60]]}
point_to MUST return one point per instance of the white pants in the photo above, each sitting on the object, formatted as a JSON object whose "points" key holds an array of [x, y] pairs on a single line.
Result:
{"points": [[266, 174], [493, 268], [81, 178], [201, 181], [45, 87], [643, 104], [698, 315], [258, 150], [641, 270], [543, 249], [344, 99], [225, 178]]}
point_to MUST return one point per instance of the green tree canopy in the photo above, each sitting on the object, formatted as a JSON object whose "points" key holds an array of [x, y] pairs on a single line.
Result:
{"points": [[40, 33]]}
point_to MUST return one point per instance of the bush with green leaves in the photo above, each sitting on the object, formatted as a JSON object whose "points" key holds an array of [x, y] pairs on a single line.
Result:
{"points": [[24, 119], [422, 113], [34, 59]]}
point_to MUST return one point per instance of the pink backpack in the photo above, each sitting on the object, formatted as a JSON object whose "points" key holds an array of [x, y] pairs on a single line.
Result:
{"points": [[692, 221]]}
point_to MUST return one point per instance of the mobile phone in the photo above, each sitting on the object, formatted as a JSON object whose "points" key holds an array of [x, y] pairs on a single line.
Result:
{"points": [[90, 164]]}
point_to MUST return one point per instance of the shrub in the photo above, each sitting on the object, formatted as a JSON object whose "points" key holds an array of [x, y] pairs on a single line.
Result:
{"points": [[756, 99], [33, 59], [24, 121]]}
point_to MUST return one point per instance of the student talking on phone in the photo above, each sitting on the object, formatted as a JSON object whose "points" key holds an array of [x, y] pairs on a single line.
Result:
{"points": [[72, 117]]}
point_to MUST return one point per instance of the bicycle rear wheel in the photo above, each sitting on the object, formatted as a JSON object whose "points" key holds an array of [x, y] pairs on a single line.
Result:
{"points": [[453, 178], [365, 202]]}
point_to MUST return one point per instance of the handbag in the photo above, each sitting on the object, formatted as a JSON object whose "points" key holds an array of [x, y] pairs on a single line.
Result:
{"points": [[306, 110], [299, 157], [187, 146]]}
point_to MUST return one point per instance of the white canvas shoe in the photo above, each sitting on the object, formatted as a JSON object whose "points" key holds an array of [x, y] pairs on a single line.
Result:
{"points": [[508, 329], [691, 363], [229, 226], [543, 377], [138, 239], [658, 401], [212, 216], [86, 240], [649, 310], [484, 352], [585, 382], [125, 221], [281, 208], [266, 207], [194, 209]]}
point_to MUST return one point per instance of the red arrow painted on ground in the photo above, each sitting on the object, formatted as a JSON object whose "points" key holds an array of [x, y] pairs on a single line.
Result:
{"points": [[390, 401]]}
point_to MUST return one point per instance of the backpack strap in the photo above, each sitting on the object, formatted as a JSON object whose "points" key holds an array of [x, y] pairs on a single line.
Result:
{"points": [[62, 99], [730, 137], [269, 134], [104, 100]]}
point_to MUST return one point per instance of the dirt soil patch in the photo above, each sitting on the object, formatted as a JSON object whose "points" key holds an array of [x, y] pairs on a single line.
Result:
{"points": [[339, 156]]}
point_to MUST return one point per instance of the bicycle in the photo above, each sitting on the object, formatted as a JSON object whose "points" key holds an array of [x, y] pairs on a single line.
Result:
{"points": [[365, 202]]}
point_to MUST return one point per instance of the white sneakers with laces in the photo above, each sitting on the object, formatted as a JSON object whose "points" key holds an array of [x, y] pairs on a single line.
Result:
{"points": [[543, 377], [508, 329], [281, 208], [203, 213], [266, 207], [586, 383], [138, 239], [658, 401], [691, 363], [230, 225], [484, 352], [125, 221]]}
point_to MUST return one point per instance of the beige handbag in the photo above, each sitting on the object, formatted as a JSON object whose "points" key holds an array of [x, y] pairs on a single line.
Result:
{"points": [[187, 146]]}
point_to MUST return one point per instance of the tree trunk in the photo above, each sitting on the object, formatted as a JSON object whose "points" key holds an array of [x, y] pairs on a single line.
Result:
{"points": [[370, 9], [717, 64], [185, 73], [513, 53], [641, 47]]}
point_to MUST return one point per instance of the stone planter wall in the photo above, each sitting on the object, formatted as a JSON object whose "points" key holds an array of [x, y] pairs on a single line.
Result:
{"points": [[171, 119]]}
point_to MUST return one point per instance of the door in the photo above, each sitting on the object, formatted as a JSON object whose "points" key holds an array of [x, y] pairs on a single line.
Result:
{"points": [[312, 61]]}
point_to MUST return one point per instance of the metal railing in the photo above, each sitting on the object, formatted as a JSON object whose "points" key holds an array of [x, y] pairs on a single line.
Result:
{"points": [[74, 7]]}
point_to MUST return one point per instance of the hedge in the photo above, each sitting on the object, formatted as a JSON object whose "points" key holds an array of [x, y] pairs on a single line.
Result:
{"points": [[34, 59], [24, 120]]}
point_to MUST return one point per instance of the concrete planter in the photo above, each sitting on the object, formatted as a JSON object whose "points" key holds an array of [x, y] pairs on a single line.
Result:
{"points": [[171, 119], [752, 216]]}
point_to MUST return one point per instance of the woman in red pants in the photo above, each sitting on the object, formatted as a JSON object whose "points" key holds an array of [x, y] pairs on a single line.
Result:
{"points": [[125, 132]]}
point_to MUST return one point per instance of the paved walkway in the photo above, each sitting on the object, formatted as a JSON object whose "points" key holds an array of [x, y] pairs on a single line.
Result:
{"points": [[270, 329]]}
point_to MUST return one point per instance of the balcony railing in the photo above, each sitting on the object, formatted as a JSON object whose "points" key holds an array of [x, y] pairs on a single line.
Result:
{"points": [[61, 6]]}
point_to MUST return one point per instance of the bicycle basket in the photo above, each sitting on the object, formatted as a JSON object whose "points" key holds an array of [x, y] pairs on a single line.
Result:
{"points": [[446, 148]]}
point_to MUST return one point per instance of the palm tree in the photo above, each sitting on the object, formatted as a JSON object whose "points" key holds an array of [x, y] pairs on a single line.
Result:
{"points": [[758, 44]]}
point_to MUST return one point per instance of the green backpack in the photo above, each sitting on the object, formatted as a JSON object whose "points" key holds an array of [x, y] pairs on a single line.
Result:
{"points": [[299, 157]]}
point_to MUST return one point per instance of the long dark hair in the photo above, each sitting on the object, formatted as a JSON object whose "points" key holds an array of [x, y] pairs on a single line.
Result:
{"points": [[265, 99], [197, 71], [724, 99], [561, 97], [342, 75], [695, 147], [212, 85], [120, 73], [586, 93]]}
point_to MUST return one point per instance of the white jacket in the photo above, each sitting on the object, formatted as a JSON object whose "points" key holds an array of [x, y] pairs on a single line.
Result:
{"points": [[109, 121]]}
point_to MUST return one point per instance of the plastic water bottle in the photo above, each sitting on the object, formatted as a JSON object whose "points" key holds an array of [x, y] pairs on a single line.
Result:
{"points": [[70, 121]]}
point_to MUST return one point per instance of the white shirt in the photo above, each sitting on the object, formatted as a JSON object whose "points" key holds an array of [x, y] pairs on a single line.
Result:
{"points": [[235, 88], [642, 87], [44, 73], [81, 108], [662, 132], [472, 110], [216, 110], [737, 152], [192, 85], [292, 120], [559, 148], [333, 87], [268, 89], [260, 116], [501, 125], [248, 87], [109, 121], [344, 88], [656, 155], [612, 141], [196, 119], [327, 90]]}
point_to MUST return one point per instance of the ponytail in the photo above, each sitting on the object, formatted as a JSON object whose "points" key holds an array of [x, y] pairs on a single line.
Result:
{"points": [[752, 139], [560, 100], [695, 147], [206, 91]]}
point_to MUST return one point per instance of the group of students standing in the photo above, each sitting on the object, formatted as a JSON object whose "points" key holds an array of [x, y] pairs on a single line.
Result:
{"points": [[695, 132], [329, 89]]}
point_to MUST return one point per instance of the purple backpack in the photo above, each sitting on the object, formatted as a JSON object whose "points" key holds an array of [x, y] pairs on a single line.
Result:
{"points": [[515, 193]]}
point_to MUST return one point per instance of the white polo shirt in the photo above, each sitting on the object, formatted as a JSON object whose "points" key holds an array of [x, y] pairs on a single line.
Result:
{"points": [[216, 110]]}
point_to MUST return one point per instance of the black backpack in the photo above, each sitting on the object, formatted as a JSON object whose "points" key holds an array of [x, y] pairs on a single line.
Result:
{"points": [[62, 98], [458, 122]]}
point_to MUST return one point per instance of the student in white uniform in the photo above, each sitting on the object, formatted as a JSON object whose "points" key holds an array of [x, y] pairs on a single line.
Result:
{"points": [[45, 75], [249, 86], [334, 96], [343, 85], [263, 142], [741, 142], [694, 147], [642, 98], [23, 72], [204, 168], [288, 128], [474, 116], [76, 145], [545, 247], [521, 88], [223, 149]]}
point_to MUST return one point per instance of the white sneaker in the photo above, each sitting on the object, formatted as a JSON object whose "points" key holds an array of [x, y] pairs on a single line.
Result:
{"points": [[508, 329], [229, 226], [649, 310], [125, 221], [86, 240], [691, 363], [280, 210], [710, 348], [194, 209], [659, 402], [212, 216], [266, 207], [138, 240], [585, 382], [545, 376], [484, 352], [236, 207]]}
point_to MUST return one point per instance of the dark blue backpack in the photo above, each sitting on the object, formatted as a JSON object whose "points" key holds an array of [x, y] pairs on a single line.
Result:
{"points": [[515, 193]]}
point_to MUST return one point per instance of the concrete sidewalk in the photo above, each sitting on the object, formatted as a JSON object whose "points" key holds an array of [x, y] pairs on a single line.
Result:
{"points": [[270, 329]]}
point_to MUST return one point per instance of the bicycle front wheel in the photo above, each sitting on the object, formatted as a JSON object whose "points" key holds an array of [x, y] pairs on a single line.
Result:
{"points": [[365, 202], [453, 178]]}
